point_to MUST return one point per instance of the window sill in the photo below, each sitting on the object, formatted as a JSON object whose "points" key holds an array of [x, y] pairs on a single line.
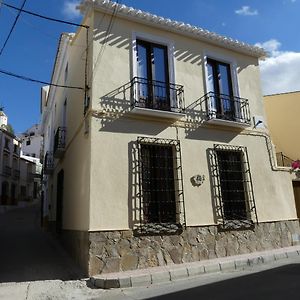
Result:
{"points": [[159, 229], [222, 122], [157, 113], [236, 225]]}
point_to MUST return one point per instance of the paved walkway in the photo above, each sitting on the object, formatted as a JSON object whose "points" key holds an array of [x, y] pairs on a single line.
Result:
{"points": [[27, 253], [146, 277]]}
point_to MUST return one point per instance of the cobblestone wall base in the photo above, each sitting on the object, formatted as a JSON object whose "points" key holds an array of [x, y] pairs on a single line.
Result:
{"points": [[116, 251]]}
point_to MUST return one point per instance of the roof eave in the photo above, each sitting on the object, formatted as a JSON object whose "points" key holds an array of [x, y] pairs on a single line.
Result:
{"points": [[148, 19]]}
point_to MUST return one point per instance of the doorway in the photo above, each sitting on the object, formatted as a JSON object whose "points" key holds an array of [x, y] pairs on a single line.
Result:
{"points": [[59, 201]]}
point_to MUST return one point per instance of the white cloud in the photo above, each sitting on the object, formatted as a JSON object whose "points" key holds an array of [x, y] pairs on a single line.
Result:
{"points": [[246, 11], [280, 71], [272, 46], [69, 9]]}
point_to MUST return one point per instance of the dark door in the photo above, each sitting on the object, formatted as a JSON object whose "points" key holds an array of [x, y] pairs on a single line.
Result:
{"points": [[153, 73], [4, 194], [59, 201], [158, 184], [232, 185], [296, 187], [13, 194], [220, 83]]}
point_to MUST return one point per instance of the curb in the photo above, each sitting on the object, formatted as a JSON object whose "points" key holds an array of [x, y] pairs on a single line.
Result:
{"points": [[146, 277]]}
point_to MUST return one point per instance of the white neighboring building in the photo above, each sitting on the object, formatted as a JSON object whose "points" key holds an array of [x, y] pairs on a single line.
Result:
{"points": [[31, 141]]}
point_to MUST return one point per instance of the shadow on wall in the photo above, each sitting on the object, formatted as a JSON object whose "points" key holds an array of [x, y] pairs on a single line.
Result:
{"points": [[111, 39], [196, 115], [214, 185], [133, 186], [118, 103], [187, 55]]}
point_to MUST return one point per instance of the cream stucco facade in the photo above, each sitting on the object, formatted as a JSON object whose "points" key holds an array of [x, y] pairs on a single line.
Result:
{"points": [[282, 115], [94, 187]]}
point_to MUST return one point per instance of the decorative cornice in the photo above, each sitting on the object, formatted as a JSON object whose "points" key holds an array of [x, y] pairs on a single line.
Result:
{"points": [[170, 25]]}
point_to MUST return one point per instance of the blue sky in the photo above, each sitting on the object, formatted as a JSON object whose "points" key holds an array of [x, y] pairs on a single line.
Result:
{"points": [[31, 50]]}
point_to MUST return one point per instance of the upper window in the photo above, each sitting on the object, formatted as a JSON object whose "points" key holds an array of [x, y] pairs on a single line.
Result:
{"points": [[221, 101], [6, 143], [161, 185], [66, 73], [153, 88], [153, 72]]}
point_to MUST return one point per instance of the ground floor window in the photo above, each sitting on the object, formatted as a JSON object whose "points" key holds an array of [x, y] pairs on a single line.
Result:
{"points": [[161, 186], [232, 185]]}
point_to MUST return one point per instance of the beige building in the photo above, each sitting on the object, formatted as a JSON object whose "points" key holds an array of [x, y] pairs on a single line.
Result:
{"points": [[156, 153], [282, 112]]}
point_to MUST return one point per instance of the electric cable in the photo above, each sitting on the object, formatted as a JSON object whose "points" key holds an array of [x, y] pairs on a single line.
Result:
{"points": [[43, 16], [108, 30], [38, 81], [13, 27]]}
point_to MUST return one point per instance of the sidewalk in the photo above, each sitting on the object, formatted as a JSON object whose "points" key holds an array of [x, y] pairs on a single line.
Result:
{"points": [[146, 277]]}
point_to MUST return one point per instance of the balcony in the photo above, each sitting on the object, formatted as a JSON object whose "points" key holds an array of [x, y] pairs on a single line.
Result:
{"points": [[157, 98], [16, 174], [227, 110], [6, 171], [48, 163], [59, 142]]}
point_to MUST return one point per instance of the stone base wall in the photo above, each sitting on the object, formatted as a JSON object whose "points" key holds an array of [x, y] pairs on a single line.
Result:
{"points": [[122, 251]]}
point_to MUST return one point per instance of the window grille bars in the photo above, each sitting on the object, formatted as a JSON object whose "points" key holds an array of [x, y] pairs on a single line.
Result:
{"points": [[161, 197], [232, 187]]}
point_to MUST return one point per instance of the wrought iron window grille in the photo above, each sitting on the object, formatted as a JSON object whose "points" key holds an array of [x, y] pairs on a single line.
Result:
{"points": [[161, 197], [232, 187], [157, 95], [48, 163], [60, 139], [226, 107]]}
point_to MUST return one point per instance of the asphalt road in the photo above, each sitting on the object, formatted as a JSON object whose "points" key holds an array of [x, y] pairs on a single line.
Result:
{"points": [[27, 253], [274, 284]]}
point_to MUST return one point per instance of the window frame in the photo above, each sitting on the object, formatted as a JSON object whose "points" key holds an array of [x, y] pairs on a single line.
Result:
{"points": [[158, 40], [226, 60], [250, 206], [145, 227]]}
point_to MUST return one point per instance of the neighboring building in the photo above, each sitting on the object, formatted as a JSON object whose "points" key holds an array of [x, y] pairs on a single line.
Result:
{"points": [[282, 112], [159, 160], [32, 141], [30, 179], [20, 177], [9, 164]]}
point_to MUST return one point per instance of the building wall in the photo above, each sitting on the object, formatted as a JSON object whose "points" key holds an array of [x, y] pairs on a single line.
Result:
{"points": [[101, 202], [76, 160], [282, 112], [115, 132]]}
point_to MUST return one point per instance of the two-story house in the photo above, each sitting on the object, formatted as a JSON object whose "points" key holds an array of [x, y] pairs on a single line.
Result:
{"points": [[155, 153]]}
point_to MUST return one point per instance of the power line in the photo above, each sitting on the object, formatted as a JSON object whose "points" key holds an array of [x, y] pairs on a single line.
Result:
{"points": [[108, 30], [44, 17], [13, 26], [38, 81]]}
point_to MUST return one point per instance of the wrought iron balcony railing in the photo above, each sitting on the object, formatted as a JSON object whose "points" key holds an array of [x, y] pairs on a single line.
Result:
{"points": [[157, 95], [283, 160], [7, 170], [48, 163], [228, 108], [59, 142]]}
